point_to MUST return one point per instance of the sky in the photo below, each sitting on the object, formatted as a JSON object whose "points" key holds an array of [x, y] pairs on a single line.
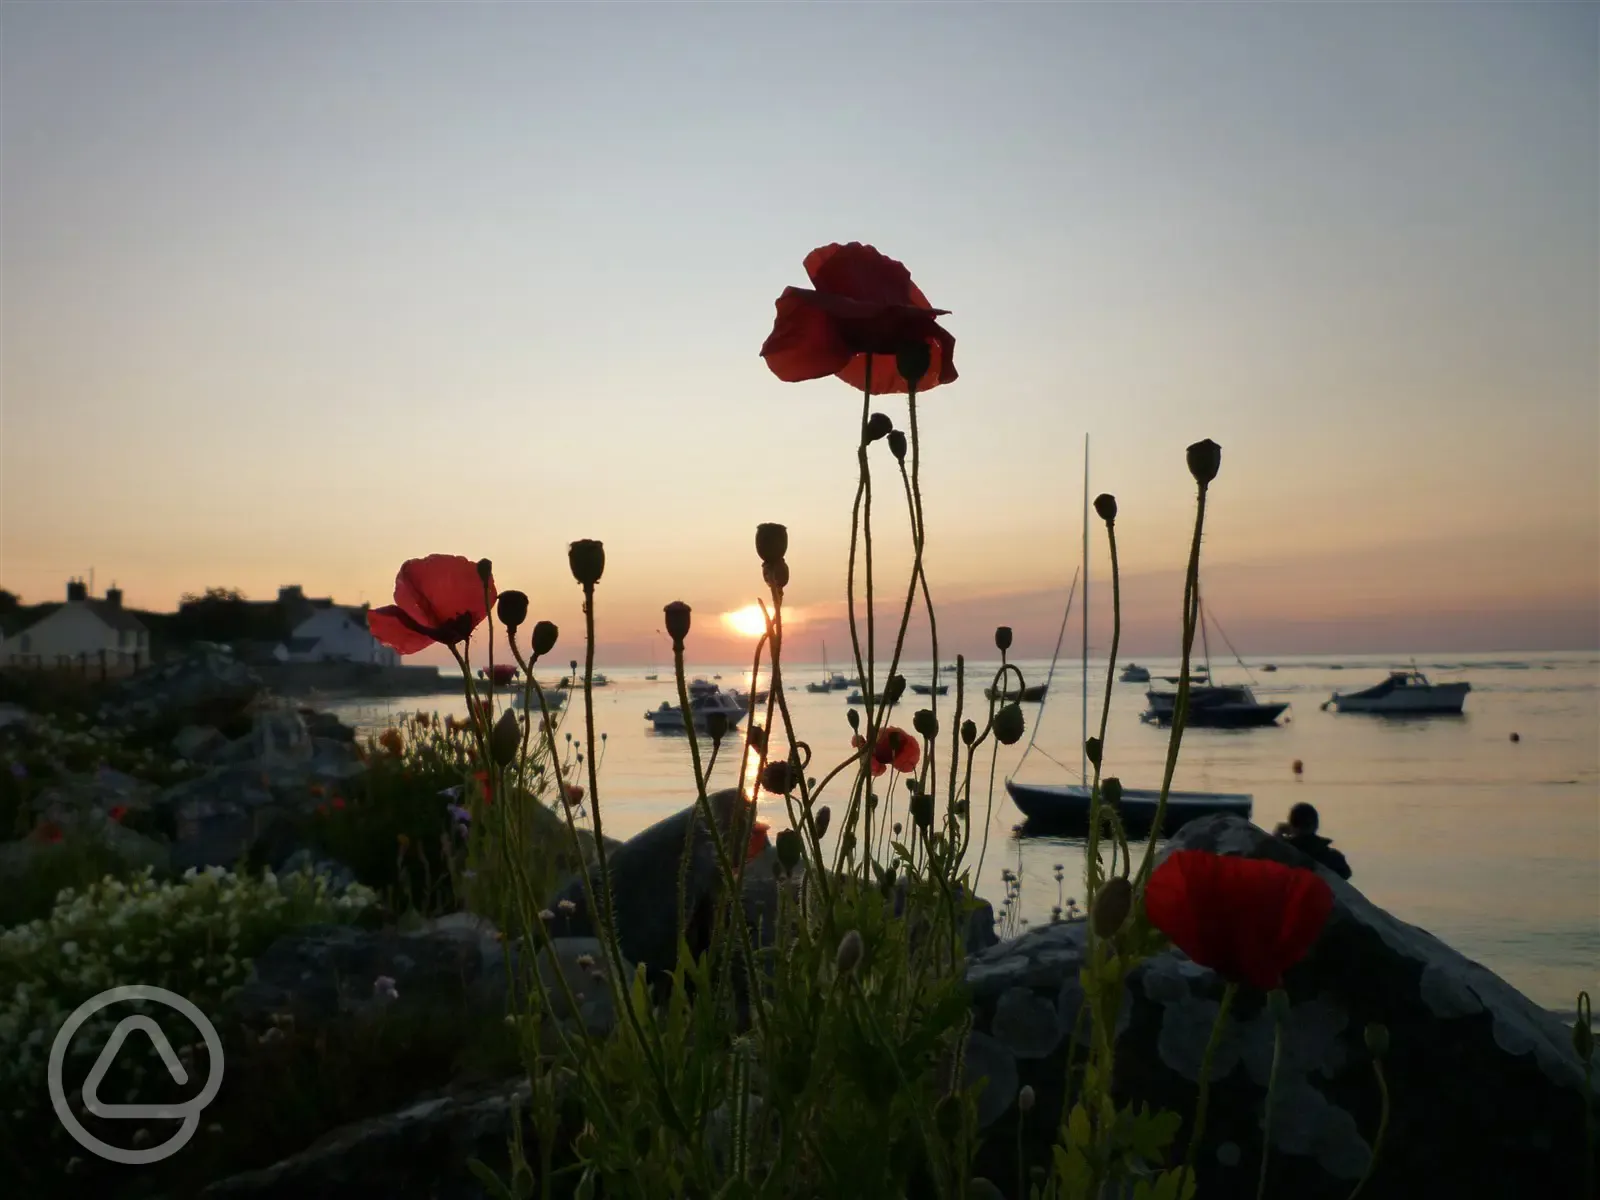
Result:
{"points": [[291, 293]]}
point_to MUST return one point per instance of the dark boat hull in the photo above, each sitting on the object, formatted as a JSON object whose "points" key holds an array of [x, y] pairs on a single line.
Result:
{"points": [[1064, 808], [1224, 716]]}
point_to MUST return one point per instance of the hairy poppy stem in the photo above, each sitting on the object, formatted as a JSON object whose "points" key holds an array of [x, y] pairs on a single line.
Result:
{"points": [[861, 531], [1180, 710], [1383, 1131], [1203, 1102], [1272, 1094]]}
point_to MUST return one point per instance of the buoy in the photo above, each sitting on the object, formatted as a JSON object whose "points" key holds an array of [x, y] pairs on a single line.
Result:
{"points": [[1299, 767], [1516, 737]]}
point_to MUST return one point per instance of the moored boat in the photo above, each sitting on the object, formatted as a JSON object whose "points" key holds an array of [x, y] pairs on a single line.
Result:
{"points": [[1065, 808], [705, 699], [930, 689], [1134, 673], [1032, 694], [1404, 693], [1234, 707]]}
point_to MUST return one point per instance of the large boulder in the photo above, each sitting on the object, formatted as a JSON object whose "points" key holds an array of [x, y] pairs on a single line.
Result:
{"points": [[206, 686], [1487, 1090]]}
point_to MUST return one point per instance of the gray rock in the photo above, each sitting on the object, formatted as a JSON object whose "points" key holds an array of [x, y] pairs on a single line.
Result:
{"points": [[587, 970], [987, 1060], [1472, 1062], [327, 726], [198, 743], [207, 686]]}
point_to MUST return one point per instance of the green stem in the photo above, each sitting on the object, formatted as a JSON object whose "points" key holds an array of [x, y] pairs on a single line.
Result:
{"points": [[1180, 711], [1272, 1094], [1204, 1100], [1383, 1130]]}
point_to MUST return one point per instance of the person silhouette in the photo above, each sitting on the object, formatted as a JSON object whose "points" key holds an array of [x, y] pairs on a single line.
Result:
{"points": [[1300, 831]]}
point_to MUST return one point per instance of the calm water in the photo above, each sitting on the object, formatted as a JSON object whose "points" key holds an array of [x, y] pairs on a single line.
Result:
{"points": [[1490, 844]]}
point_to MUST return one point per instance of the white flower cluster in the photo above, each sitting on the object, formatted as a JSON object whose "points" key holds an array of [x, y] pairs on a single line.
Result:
{"points": [[195, 936]]}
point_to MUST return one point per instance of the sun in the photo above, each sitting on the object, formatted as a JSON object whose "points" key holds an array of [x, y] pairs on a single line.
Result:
{"points": [[746, 621]]}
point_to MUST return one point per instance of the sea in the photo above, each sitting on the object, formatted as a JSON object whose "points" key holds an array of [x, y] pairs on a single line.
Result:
{"points": [[1483, 829]]}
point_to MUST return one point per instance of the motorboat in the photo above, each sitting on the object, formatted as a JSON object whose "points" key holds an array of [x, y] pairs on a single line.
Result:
{"points": [[574, 681], [859, 698], [1270, 668], [554, 700], [1134, 673], [1065, 808], [930, 689], [1034, 693], [1404, 693], [1231, 707], [702, 705]]}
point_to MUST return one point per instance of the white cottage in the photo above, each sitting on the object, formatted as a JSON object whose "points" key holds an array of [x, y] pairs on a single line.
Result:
{"points": [[336, 634], [81, 631]]}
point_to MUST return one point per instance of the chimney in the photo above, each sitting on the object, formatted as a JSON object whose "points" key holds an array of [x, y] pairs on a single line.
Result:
{"points": [[114, 597], [76, 590], [290, 594]]}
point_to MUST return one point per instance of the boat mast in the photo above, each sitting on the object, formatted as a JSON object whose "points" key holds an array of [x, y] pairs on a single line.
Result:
{"points": [[1083, 739]]}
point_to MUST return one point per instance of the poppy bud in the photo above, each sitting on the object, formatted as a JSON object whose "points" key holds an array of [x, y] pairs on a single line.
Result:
{"points": [[485, 572], [969, 731], [788, 849], [1111, 791], [1205, 460], [894, 689], [717, 725], [1377, 1039], [1002, 638], [587, 558], [1091, 750], [1105, 504], [854, 718], [1112, 905], [922, 810], [912, 361], [756, 738], [777, 777], [574, 666], [506, 738], [1008, 724], [775, 574], [821, 820], [897, 445], [1025, 1098], [847, 846], [925, 723], [878, 426], [545, 634], [898, 828], [512, 609], [677, 614], [772, 541], [850, 950], [1278, 1004], [886, 882]]}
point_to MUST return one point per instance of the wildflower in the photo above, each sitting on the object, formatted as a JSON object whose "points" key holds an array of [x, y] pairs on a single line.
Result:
{"points": [[546, 915], [316, 789], [862, 303], [482, 778], [383, 989], [573, 792], [338, 802], [18, 771], [48, 831], [461, 815], [438, 599], [1247, 919], [567, 907], [585, 961], [502, 673], [758, 840], [391, 741], [118, 812], [894, 747]]}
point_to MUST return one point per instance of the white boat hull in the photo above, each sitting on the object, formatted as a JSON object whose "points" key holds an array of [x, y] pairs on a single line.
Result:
{"points": [[1435, 699]]}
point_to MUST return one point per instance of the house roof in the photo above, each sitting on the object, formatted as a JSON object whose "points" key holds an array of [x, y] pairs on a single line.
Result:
{"points": [[116, 616], [300, 645]]}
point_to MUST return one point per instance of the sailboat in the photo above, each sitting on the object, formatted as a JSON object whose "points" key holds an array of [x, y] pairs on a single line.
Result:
{"points": [[1065, 807], [828, 683], [1214, 706]]}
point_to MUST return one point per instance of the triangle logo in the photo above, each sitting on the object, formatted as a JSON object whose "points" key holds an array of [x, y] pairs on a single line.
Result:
{"points": [[102, 1065]]}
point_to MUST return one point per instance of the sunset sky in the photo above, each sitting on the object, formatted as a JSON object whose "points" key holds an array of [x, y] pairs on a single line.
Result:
{"points": [[290, 293]]}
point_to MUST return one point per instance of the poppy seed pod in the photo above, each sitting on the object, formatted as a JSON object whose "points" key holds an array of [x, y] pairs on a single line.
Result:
{"points": [[897, 445], [485, 571], [545, 634], [788, 849], [677, 614], [894, 689], [847, 845], [1205, 460], [854, 718], [821, 820], [587, 558], [925, 723], [1008, 725], [512, 609], [922, 810], [1112, 905], [969, 731], [850, 950], [1377, 1039], [1105, 504], [717, 725], [1091, 750], [1111, 791], [777, 778], [879, 426], [775, 574], [912, 361], [1002, 638], [772, 541], [506, 738]]}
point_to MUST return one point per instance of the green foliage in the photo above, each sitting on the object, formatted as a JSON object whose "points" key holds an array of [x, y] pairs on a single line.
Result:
{"points": [[36, 872]]}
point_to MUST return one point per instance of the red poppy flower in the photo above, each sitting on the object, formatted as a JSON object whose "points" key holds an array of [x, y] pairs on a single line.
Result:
{"points": [[49, 831], [574, 792], [391, 741], [1246, 918], [483, 786], [895, 748], [878, 768], [338, 802], [862, 304], [436, 599], [118, 811], [502, 674], [758, 840]]}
